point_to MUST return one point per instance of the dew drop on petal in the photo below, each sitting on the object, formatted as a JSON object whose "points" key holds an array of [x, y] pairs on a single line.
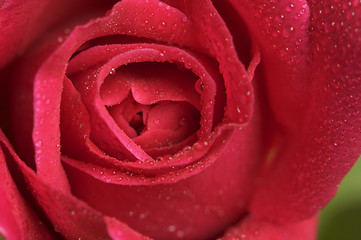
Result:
{"points": [[182, 121], [172, 228], [180, 234]]}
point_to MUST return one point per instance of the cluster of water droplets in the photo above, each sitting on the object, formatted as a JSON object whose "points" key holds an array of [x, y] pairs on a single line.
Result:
{"points": [[153, 19], [284, 23], [334, 144], [61, 37]]}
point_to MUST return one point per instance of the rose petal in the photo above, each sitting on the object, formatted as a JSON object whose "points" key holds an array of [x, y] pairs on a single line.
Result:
{"points": [[166, 207], [17, 219], [219, 41], [305, 176], [51, 74], [280, 27], [101, 120], [69, 216], [254, 229], [207, 152], [169, 123], [23, 21]]}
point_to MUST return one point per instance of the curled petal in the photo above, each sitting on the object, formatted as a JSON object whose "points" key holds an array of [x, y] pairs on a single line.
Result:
{"points": [[305, 175], [281, 29], [69, 216], [18, 220], [21, 22]]}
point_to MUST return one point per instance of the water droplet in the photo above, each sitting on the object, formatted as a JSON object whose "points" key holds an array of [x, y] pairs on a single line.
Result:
{"points": [[39, 143], [199, 86], [112, 71], [180, 234], [172, 228], [156, 121], [182, 121], [290, 7]]}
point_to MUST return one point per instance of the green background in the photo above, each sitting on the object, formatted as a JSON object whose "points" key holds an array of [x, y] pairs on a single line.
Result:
{"points": [[341, 219]]}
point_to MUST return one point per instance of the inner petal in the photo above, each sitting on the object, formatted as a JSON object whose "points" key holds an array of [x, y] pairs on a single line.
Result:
{"points": [[130, 116], [150, 82], [169, 123], [162, 124]]}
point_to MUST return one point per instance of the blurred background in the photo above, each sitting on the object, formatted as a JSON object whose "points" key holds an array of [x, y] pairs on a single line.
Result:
{"points": [[341, 218]]}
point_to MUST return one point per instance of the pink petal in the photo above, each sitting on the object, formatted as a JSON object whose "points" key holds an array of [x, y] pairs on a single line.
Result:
{"points": [[18, 220], [254, 229], [69, 216], [280, 27], [115, 138], [219, 41], [23, 21], [215, 158], [310, 165], [167, 207]]}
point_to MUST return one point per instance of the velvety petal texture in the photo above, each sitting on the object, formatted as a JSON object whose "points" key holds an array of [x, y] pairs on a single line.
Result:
{"points": [[149, 119], [307, 171], [18, 219], [255, 229], [22, 21], [70, 217], [148, 141], [281, 29]]}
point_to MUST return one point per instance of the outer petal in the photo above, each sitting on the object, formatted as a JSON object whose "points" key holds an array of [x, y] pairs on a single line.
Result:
{"points": [[22, 21], [280, 27], [17, 219], [254, 229], [236, 80], [69, 216], [305, 175]]}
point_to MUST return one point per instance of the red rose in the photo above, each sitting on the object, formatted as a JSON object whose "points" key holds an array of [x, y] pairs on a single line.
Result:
{"points": [[176, 119]]}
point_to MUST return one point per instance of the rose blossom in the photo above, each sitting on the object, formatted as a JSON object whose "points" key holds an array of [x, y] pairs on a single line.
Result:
{"points": [[176, 119]]}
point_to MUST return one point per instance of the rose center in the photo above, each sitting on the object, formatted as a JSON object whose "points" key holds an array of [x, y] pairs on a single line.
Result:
{"points": [[137, 123], [156, 109]]}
